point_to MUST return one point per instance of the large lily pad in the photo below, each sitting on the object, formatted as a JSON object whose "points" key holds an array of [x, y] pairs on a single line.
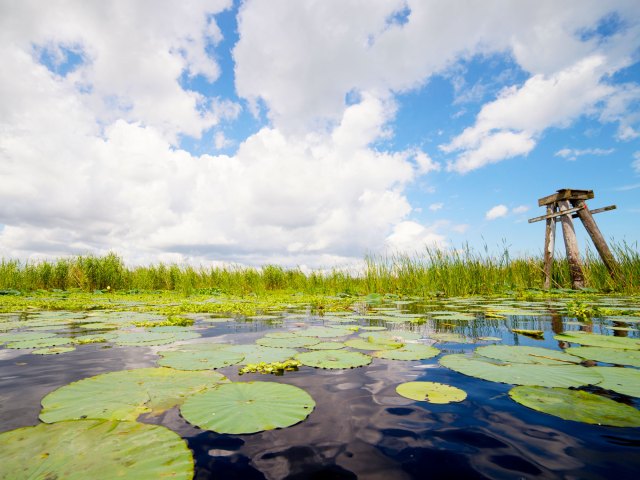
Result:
{"points": [[200, 359], [411, 351], [258, 353], [431, 392], [147, 339], [621, 380], [595, 340], [577, 405], [126, 394], [248, 407], [371, 345], [78, 450], [294, 342], [523, 354], [607, 355], [521, 373], [334, 359]]}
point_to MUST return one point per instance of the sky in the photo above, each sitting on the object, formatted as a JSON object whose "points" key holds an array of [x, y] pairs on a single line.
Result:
{"points": [[311, 133]]}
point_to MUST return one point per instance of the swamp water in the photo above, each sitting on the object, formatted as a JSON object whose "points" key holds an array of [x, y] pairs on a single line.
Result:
{"points": [[351, 422]]}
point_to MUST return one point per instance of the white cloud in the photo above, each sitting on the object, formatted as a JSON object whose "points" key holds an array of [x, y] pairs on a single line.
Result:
{"points": [[636, 162], [496, 212], [220, 141], [411, 237], [508, 126], [520, 209], [434, 207], [132, 68], [572, 154]]}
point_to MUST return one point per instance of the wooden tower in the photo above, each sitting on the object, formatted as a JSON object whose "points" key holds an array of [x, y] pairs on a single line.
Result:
{"points": [[566, 204]]}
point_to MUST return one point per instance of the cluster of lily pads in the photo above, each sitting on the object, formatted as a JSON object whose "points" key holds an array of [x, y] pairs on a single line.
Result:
{"points": [[98, 415]]}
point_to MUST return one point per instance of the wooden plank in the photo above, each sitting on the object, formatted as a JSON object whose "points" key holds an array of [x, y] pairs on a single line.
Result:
{"points": [[571, 245], [555, 214], [549, 245], [594, 232], [598, 210], [566, 194]]}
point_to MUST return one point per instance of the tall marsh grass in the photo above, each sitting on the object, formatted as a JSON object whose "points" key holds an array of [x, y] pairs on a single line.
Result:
{"points": [[433, 271]]}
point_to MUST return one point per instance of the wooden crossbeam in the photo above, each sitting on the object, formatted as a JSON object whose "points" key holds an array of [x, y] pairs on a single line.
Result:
{"points": [[566, 194], [571, 211]]}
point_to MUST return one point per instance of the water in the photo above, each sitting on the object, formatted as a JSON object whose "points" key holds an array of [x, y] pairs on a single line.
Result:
{"points": [[361, 428]]}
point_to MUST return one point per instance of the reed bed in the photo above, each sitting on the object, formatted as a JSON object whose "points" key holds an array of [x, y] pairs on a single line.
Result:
{"points": [[432, 271]]}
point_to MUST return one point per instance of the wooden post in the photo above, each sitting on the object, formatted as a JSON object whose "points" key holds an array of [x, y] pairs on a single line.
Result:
{"points": [[571, 244], [549, 246], [598, 240]]}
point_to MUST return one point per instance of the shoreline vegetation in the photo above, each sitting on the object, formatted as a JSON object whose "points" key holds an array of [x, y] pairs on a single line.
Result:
{"points": [[433, 272]]}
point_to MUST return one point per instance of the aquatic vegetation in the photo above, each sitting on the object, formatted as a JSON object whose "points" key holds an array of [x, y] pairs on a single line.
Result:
{"points": [[96, 449], [577, 405], [186, 359], [594, 340], [621, 380], [607, 355], [431, 392], [524, 354], [124, 395], [410, 351], [521, 373], [275, 368], [334, 359], [537, 334], [248, 407]]}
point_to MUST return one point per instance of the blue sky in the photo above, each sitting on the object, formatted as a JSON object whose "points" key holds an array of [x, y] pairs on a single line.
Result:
{"points": [[311, 133]]}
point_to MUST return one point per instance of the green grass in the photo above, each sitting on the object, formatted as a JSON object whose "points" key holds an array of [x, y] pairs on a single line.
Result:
{"points": [[449, 273]]}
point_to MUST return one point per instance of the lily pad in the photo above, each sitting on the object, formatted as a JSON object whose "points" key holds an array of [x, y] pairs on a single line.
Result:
{"points": [[577, 405], [248, 407], [607, 355], [431, 392], [411, 351], [334, 359], [126, 394], [199, 360], [258, 353], [524, 354], [53, 350], [40, 343], [621, 380], [521, 373], [370, 345], [100, 450], [327, 346], [294, 342], [595, 340]]}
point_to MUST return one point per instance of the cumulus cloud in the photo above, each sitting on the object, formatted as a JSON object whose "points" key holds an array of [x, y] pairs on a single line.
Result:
{"points": [[411, 237], [434, 207], [496, 212], [520, 209], [508, 126]]}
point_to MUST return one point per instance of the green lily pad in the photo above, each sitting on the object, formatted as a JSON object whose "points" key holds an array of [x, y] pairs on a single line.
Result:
{"points": [[447, 337], [146, 339], [431, 392], [524, 354], [521, 373], [293, 342], [327, 346], [607, 355], [411, 351], [248, 407], [595, 340], [577, 405], [53, 350], [40, 343], [258, 353], [24, 336], [333, 359], [325, 332], [621, 380], [199, 360], [126, 394], [99, 450], [399, 336], [363, 344]]}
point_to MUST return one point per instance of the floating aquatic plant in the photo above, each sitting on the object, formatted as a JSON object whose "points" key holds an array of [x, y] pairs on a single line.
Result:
{"points": [[431, 392], [248, 407]]}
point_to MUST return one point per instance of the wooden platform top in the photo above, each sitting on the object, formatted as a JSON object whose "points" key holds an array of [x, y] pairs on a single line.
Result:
{"points": [[566, 194]]}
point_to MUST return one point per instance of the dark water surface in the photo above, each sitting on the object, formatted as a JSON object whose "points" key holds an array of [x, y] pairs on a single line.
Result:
{"points": [[361, 428]]}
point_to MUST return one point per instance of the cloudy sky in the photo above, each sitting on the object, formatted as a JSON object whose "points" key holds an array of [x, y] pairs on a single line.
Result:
{"points": [[307, 132]]}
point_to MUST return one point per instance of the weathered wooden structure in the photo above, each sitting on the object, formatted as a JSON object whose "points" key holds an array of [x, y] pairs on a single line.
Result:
{"points": [[565, 205]]}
